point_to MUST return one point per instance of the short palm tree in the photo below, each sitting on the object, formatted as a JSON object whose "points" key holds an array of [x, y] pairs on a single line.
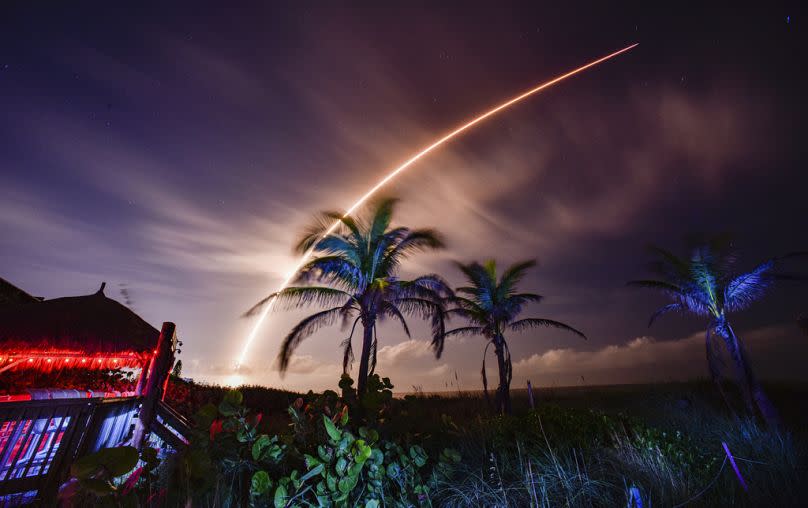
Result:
{"points": [[356, 265], [491, 306], [708, 284]]}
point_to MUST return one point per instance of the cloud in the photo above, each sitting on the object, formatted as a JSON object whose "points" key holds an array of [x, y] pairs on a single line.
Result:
{"points": [[646, 359], [407, 352], [307, 364]]}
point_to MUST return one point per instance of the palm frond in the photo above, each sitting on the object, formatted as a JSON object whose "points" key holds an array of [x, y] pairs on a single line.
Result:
{"points": [[304, 296], [669, 264], [433, 282], [660, 285], [428, 287], [490, 267], [390, 310], [316, 230], [354, 234], [331, 270], [420, 307], [744, 289], [478, 318], [349, 311], [303, 330], [438, 330], [338, 245], [664, 310], [478, 276], [515, 273], [524, 324], [523, 298], [382, 214], [258, 306], [412, 242], [465, 330]]}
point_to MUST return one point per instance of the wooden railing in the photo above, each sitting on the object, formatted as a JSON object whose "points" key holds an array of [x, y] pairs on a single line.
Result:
{"points": [[40, 439], [171, 427]]}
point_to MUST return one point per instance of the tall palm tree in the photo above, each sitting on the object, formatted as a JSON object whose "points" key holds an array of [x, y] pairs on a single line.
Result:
{"points": [[356, 267], [492, 305], [708, 284]]}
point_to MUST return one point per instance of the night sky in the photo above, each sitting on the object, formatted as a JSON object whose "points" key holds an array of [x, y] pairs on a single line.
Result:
{"points": [[176, 151]]}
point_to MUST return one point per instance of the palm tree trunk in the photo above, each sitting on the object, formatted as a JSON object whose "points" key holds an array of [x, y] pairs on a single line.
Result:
{"points": [[503, 397], [714, 371], [752, 385], [364, 362]]}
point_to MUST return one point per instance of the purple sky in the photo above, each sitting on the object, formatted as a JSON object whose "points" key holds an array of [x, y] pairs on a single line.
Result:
{"points": [[176, 152]]}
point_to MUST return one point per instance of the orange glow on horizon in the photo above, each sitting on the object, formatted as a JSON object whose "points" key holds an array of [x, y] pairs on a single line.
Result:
{"points": [[395, 172]]}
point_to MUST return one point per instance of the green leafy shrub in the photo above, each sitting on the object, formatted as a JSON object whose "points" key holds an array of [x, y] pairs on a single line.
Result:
{"points": [[98, 478], [324, 459], [347, 463], [226, 450]]}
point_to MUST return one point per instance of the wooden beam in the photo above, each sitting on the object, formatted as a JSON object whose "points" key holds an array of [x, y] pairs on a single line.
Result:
{"points": [[159, 370]]}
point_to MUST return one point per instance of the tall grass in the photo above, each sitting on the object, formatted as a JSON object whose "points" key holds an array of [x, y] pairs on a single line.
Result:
{"points": [[660, 445], [556, 466]]}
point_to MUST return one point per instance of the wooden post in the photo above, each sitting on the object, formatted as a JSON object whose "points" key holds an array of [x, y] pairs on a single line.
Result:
{"points": [[144, 373], [530, 395], [158, 372]]}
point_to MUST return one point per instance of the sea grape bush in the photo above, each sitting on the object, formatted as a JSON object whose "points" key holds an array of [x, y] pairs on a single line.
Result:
{"points": [[116, 476], [327, 458], [226, 449]]}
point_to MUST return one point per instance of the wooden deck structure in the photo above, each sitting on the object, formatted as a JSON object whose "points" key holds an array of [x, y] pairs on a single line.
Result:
{"points": [[43, 431]]}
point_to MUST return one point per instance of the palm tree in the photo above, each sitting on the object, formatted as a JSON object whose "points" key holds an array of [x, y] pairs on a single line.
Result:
{"points": [[708, 284], [492, 306], [356, 265]]}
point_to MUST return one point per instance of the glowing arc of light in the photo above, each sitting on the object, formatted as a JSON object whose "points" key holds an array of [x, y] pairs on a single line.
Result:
{"points": [[409, 162]]}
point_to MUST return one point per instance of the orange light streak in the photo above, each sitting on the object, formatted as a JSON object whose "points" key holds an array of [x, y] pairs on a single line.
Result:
{"points": [[409, 162]]}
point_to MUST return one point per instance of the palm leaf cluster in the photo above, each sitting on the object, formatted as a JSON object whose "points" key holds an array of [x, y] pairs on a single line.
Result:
{"points": [[710, 283], [492, 305], [354, 273]]}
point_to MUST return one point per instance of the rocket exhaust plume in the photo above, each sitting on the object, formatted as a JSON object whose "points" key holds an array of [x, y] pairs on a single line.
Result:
{"points": [[409, 162]]}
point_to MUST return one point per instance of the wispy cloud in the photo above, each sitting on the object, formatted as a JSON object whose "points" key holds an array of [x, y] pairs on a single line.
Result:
{"points": [[646, 359]]}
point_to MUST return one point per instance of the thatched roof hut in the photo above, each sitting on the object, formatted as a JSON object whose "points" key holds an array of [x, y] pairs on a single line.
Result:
{"points": [[12, 295], [90, 331]]}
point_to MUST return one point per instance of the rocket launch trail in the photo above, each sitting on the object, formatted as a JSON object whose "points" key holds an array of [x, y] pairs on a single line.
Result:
{"points": [[409, 162]]}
